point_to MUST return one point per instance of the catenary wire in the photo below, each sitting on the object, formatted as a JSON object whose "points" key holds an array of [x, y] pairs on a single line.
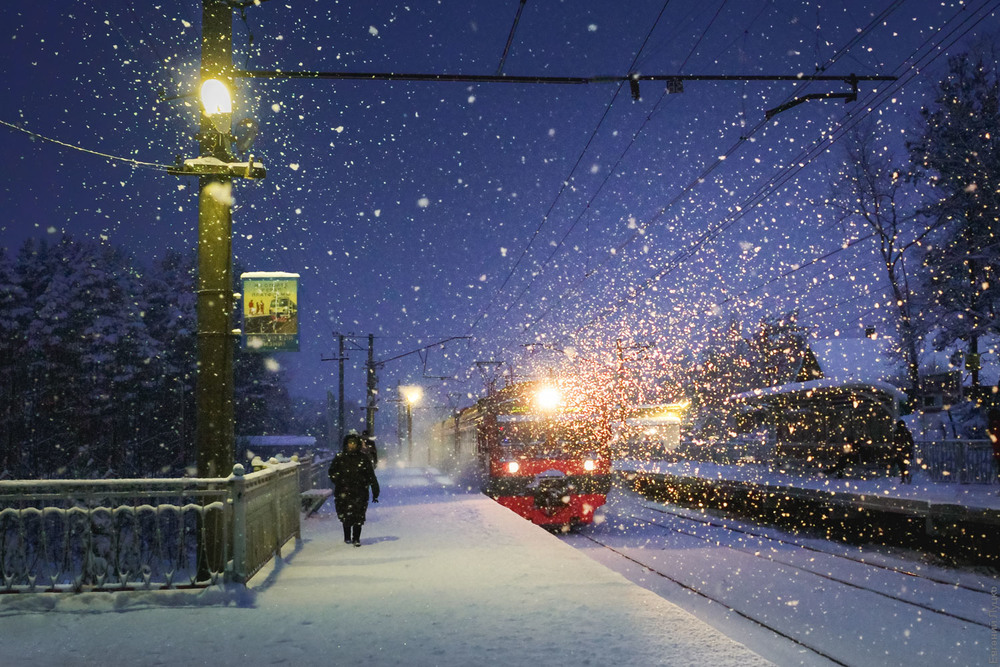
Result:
{"points": [[786, 173]]}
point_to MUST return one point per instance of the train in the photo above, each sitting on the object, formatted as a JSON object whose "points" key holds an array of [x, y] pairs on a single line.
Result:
{"points": [[531, 453]]}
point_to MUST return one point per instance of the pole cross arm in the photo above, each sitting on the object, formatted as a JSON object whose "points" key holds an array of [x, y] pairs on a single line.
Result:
{"points": [[794, 102], [212, 166]]}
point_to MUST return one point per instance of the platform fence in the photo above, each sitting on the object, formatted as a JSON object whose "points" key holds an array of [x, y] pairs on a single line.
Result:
{"points": [[128, 534], [957, 461]]}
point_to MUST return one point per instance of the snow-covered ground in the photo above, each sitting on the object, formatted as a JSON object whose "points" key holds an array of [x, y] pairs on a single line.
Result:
{"points": [[799, 600], [443, 578]]}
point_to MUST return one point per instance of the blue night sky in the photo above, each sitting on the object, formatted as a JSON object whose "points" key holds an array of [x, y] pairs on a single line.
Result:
{"points": [[510, 213]]}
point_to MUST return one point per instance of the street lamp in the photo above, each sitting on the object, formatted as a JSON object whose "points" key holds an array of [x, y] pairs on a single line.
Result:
{"points": [[412, 396], [215, 168], [218, 104]]}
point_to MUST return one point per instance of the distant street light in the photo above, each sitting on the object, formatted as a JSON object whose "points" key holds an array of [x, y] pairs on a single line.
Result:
{"points": [[411, 395]]}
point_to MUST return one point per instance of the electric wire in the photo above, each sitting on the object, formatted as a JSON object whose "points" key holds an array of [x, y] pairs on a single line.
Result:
{"points": [[565, 183], [614, 168], [107, 156], [510, 37], [795, 165]]}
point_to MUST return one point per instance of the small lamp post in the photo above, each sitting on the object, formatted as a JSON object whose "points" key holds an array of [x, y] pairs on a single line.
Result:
{"points": [[412, 396]]}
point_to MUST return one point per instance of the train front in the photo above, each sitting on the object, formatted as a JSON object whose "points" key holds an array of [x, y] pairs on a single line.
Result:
{"points": [[547, 466]]}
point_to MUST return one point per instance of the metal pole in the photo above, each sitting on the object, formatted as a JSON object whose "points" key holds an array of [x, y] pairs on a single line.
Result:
{"points": [[409, 432], [215, 432], [399, 419], [372, 382], [340, 390], [215, 285]]}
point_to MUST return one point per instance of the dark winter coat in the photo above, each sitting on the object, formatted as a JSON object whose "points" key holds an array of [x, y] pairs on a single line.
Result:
{"points": [[352, 473]]}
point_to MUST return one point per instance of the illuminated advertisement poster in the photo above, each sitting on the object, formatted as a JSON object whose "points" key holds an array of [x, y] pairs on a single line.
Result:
{"points": [[270, 311]]}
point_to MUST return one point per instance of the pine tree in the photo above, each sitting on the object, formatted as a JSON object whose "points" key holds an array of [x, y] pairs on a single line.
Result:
{"points": [[169, 296], [14, 312], [89, 345]]}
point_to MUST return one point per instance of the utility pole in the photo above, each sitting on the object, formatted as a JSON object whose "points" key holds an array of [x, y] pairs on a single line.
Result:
{"points": [[340, 389], [372, 390], [215, 430]]}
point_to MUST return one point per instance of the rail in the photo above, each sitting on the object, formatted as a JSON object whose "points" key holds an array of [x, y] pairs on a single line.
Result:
{"points": [[76, 535], [957, 461]]}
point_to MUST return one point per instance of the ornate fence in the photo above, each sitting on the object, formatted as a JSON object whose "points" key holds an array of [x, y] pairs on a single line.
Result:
{"points": [[74, 535], [958, 461]]}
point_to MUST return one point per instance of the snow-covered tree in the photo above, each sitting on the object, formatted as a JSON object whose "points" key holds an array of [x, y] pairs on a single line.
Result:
{"points": [[776, 351], [874, 193], [168, 290], [722, 371], [98, 364], [13, 316], [959, 153], [88, 345]]}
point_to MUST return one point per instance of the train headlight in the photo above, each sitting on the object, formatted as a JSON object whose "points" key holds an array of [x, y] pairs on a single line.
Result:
{"points": [[590, 465], [513, 466]]}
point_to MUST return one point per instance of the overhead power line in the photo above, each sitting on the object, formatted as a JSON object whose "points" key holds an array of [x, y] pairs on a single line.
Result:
{"points": [[641, 229], [107, 156], [510, 37], [911, 67], [565, 184], [555, 80], [777, 180]]}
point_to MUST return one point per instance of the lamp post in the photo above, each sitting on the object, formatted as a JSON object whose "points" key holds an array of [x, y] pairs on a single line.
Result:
{"points": [[215, 303], [215, 168], [412, 396]]}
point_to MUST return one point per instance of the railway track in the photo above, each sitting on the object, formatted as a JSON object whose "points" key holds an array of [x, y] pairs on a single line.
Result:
{"points": [[718, 600], [829, 577], [739, 527], [851, 604]]}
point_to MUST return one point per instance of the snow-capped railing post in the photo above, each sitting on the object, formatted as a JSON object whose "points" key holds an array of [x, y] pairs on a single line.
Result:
{"points": [[237, 569]]}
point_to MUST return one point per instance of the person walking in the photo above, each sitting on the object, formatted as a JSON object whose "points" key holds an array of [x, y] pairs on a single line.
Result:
{"points": [[352, 473], [902, 448]]}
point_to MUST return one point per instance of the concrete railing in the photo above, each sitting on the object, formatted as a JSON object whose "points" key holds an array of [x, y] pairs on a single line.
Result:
{"points": [[958, 461], [74, 535]]}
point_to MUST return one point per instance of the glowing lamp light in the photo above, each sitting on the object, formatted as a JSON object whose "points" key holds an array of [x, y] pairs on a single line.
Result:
{"points": [[590, 465], [218, 104], [513, 467], [548, 398], [412, 395]]}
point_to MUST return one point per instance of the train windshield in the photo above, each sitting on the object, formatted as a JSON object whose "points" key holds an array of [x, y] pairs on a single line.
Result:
{"points": [[538, 440]]}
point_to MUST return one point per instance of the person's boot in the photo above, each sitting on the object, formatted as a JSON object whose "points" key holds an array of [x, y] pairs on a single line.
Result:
{"points": [[356, 535], [347, 533]]}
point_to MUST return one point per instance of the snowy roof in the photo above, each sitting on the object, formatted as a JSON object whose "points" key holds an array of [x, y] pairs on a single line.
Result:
{"points": [[280, 441], [860, 364], [268, 274], [815, 385]]}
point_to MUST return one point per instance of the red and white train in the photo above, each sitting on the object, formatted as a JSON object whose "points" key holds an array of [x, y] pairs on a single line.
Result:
{"points": [[533, 456]]}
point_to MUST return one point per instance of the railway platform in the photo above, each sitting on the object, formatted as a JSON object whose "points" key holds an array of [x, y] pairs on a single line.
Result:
{"points": [[944, 518], [444, 576]]}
